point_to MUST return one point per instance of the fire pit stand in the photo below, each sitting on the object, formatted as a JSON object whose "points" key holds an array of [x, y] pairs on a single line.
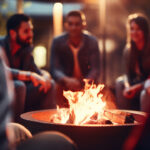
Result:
{"points": [[87, 137]]}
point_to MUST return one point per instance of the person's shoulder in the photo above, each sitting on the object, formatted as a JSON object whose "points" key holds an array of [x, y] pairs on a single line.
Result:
{"points": [[61, 37], [89, 36]]}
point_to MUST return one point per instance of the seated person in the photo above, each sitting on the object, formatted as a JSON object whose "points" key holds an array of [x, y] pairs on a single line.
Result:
{"points": [[18, 45], [15, 136], [132, 88], [74, 56]]}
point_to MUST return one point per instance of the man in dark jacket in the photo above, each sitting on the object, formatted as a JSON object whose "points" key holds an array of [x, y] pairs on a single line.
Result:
{"points": [[18, 46], [74, 56], [14, 136]]}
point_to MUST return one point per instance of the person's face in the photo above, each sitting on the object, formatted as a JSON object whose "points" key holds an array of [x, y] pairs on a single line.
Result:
{"points": [[136, 33], [74, 26], [25, 34]]}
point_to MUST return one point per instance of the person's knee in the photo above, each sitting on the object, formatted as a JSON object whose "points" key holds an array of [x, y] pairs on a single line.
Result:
{"points": [[20, 86], [19, 101], [119, 86], [119, 83], [53, 87], [49, 98], [20, 91], [145, 99]]}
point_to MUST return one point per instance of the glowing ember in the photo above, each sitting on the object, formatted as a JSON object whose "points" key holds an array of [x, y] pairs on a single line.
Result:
{"points": [[85, 106]]}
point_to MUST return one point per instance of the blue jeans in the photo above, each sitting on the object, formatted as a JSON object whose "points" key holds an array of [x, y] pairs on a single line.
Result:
{"points": [[19, 102]]}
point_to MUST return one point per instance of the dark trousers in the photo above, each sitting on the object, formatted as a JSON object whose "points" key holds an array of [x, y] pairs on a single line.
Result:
{"points": [[36, 99]]}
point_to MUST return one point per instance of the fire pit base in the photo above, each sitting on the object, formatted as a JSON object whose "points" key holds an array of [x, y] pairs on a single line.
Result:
{"points": [[88, 137]]}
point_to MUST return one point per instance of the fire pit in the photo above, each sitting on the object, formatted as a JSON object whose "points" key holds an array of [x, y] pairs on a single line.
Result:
{"points": [[88, 121], [89, 136]]}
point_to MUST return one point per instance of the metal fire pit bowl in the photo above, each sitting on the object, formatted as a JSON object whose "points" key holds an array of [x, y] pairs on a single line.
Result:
{"points": [[87, 137]]}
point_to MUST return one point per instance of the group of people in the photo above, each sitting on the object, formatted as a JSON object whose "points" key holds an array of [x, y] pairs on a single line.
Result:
{"points": [[75, 55], [35, 88]]}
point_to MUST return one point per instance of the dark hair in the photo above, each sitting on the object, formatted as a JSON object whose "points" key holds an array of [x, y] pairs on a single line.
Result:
{"points": [[142, 21], [79, 14], [14, 21], [133, 55]]}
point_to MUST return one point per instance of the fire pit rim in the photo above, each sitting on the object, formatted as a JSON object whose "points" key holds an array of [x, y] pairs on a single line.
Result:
{"points": [[29, 117]]}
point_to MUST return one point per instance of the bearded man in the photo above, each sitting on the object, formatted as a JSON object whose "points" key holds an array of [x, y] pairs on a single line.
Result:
{"points": [[18, 46]]}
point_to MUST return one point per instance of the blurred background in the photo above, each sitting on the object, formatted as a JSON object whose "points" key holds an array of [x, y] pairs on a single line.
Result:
{"points": [[106, 19]]}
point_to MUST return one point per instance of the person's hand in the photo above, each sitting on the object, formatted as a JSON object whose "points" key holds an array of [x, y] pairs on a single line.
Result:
{"points": [[38, 80], [72, 84], [46, 75], [46, 86], [129, 93]]}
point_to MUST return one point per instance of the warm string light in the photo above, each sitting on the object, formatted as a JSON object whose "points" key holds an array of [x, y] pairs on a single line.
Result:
{"points": [[57, 18], [20, 6]]}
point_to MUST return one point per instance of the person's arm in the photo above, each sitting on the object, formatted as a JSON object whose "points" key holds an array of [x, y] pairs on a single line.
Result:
{"points": [[30, 71], [36, 72], [130, 91], [48, 80], [127, 64], [94, 61], [55, 67], [57, 70], [28, 63], [36, 79], [6, 100]]}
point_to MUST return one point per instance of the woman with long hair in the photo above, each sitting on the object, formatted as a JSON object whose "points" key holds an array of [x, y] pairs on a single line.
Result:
{"points": [[137, 65]]}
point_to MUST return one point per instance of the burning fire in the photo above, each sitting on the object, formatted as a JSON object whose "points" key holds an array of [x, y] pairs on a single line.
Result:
{"points": [[86, 106]]}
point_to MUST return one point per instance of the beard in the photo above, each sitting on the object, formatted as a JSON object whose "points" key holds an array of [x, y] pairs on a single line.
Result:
{"points": [[23, 43]]}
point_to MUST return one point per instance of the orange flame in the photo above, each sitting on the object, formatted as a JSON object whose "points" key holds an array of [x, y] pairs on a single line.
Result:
{"points": [[84, 105]]}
